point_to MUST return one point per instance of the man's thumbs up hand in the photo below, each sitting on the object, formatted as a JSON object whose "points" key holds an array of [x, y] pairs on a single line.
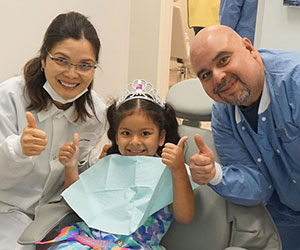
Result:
{"points": [[202, 163]]}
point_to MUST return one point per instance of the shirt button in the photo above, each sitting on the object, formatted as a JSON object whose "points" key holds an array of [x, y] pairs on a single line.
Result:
{"points": [[263, 119], [294, 181], [270, 186], [278, 151], [258, 159], [243, 127]]}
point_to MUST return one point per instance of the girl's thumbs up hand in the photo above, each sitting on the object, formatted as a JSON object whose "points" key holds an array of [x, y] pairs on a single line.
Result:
{"points": [[69, 153], [172, 155]]}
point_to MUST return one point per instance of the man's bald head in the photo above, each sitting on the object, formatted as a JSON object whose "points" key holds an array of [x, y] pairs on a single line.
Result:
{"points": [[211, 36], [228, 66]]}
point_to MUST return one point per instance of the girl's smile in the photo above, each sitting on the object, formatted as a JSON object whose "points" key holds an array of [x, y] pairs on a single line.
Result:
{"points": [[138, 135]]}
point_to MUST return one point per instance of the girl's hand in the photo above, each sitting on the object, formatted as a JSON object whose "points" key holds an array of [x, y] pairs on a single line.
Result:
{"points": [[69, 152], [33, 140], [183, 196], [172, 155]]}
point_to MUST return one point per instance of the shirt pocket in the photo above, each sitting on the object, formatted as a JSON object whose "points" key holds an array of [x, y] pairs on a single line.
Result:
{"points": [[290, 138], [87, 142]]}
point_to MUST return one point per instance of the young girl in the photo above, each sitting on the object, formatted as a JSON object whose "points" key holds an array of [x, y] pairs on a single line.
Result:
{"points": [[139, 125]]}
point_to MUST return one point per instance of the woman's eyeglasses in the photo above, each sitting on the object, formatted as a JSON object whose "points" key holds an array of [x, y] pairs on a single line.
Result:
{"points": [[80, 67]]}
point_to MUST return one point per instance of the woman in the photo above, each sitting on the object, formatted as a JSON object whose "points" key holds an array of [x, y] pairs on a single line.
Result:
{"points": [[39, 112]]}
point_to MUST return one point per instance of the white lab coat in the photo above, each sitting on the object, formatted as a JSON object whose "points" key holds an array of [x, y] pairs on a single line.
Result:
{"points": [[27, 182]]}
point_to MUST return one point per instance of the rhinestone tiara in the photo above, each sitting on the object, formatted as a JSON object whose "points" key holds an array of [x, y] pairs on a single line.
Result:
{"points": [[139, 89]]}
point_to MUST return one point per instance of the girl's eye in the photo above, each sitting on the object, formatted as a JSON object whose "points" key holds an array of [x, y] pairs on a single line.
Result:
{"points": [[145, 133], [125, 133]]}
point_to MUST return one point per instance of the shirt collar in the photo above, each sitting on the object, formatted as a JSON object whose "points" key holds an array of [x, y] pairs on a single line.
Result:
{"points": [[53, 110], [265, 99], [263, 105]]}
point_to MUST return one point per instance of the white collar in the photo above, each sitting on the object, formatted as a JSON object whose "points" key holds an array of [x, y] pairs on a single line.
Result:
{"points": [[263, 104], [53, 110]]}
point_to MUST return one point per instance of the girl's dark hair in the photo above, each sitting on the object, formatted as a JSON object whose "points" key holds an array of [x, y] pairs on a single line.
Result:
{"points": [[164, 118], [68, 25]]}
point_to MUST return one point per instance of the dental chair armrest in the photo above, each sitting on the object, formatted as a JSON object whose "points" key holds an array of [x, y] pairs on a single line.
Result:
{"points": [[190, 101], [234, 248], [50, 216]]}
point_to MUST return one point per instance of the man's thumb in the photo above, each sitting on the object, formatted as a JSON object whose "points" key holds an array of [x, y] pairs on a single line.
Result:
{"points": [[201, 144], [31, 120]]}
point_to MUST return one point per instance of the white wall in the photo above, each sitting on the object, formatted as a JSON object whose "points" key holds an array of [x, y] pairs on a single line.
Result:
{"points": [[149, 43], [23, 23], [135, 37], [150, 39], [277, 26]]}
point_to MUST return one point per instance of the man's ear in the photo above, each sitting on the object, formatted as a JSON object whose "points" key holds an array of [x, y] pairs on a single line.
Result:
{"points": [[162, 138], [248, 45]]}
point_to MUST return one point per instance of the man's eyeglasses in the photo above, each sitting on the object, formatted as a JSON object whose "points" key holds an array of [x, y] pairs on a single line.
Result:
{"points": [[80, 67]]}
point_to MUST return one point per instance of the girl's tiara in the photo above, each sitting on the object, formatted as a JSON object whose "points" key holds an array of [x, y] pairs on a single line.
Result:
{"points": [[139, 89]]}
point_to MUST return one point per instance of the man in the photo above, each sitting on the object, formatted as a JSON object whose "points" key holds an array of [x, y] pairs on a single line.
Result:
{"points": [[255, 124], [240, 15]]}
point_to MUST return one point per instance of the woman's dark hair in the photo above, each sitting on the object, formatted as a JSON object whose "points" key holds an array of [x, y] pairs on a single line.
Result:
{"points": [[164, 118], [68, 25]]}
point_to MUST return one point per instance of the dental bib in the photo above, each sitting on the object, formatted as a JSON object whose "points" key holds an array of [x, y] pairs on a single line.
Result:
{"points": [[56, 97], [119, 193]]}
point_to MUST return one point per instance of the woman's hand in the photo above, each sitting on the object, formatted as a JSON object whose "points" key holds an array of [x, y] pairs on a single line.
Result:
{"points": [[33, 140]]}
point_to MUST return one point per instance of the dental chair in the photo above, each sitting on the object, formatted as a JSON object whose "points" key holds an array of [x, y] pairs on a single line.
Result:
{"points": [[218, 224]]}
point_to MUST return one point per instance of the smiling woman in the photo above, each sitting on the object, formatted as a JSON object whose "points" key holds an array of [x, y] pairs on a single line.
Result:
{"points": [[73, 39], [47, 107], [69, 80]]}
